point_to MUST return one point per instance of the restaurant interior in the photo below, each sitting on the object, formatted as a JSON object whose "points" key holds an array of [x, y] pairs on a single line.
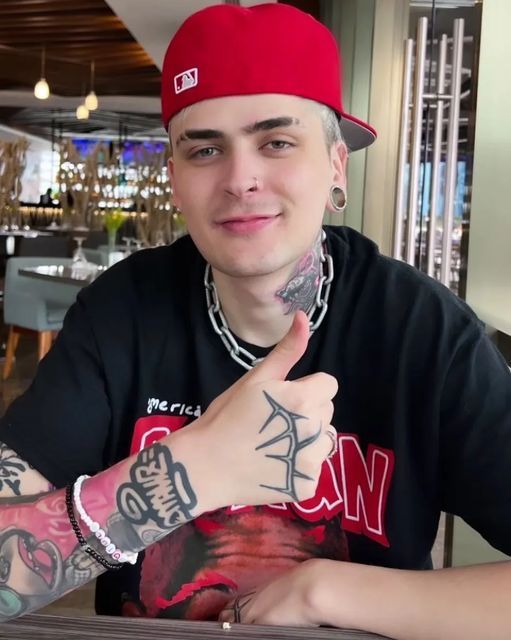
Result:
{"points": [[83, 177]]}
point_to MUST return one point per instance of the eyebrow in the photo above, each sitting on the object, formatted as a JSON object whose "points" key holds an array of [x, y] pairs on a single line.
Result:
{"points": [[215, 134], [271, 123], [199, 134]]}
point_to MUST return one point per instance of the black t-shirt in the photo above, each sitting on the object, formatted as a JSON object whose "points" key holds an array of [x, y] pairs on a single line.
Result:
{"points": [[423, 415]]}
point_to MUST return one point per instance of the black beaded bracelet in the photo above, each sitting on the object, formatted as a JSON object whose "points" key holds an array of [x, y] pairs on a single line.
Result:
{"points": [[79, 536]]}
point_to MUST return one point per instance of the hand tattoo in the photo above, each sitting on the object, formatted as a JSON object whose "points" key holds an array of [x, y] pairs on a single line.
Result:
{"points": [[290, 434], [299, 292], [159, 490]]}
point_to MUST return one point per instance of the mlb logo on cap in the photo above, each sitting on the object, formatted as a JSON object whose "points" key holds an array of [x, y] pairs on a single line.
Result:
{"points": [[186, 80]]}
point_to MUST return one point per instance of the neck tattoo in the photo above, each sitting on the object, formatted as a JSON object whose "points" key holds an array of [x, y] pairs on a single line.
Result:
{"points": [[320, 287], [300, 290]]}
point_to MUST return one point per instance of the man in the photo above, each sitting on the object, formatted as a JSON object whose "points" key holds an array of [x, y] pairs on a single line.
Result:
{"points": [[45, 198], [268, 497]]}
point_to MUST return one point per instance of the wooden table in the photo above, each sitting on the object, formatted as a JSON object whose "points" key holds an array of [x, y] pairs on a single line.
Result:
{"points": [[43, 627]]}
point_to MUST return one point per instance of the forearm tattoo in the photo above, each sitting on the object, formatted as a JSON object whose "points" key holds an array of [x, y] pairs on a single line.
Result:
{"points": [[290, 434], [40, 558], [11, 469], [36, 567], [299, 292], [158, 491]]}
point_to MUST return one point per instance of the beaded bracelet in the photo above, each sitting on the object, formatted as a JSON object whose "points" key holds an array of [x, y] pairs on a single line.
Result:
{"points": [[76, 528], [95, 528]]}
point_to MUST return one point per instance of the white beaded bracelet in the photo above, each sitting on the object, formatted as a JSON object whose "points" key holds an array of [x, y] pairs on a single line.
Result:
{"points": [[95, 528]]}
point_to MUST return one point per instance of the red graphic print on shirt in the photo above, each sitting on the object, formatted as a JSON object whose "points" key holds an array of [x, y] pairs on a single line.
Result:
{"points": [[197, 569]]}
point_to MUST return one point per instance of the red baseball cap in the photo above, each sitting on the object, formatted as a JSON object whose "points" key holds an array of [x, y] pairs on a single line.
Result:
{"points": [[227, 50]]}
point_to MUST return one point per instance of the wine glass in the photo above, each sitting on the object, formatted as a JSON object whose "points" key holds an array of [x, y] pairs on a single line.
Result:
{"points": [[159, 239], [128, 244], [78, 254], [81, 268]]}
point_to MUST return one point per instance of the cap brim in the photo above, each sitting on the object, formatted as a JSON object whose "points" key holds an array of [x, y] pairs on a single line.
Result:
{"points": [[356, 133]]}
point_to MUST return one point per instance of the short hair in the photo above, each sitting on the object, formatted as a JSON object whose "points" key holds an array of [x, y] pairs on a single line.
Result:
{"points": [[331, 125]]}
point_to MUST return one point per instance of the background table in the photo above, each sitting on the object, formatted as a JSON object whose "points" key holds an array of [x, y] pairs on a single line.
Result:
{"points": [[64, 274], [42, 627], [21, 233]]}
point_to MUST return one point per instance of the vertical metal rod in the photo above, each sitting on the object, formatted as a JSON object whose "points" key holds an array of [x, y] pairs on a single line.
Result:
{"points": [[437, 151], [420, 60], [397, 250], [452, 151]]}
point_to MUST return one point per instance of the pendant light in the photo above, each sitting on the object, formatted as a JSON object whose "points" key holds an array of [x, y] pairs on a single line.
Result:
{"points": [[41, 89], [82, 113], [91, 100]]}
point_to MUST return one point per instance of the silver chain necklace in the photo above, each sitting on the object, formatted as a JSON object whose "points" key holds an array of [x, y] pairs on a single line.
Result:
{"points": [[315, 314]]}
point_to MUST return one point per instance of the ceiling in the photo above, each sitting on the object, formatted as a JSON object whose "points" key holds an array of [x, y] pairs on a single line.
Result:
{"points": [[126, 40], [72, 39], [91, 31]]}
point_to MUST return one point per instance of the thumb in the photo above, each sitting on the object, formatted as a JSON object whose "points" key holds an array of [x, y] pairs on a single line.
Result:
{"points": [[286, 354]]}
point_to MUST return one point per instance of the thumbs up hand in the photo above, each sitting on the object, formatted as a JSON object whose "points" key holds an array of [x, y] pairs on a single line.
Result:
{"points": [[269, 437]]}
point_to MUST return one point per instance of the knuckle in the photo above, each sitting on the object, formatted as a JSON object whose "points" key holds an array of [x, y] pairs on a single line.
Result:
{"points": [[308, 491], [311, 427], [328, 413], [301, 406], [331, 383], [312, 467]]}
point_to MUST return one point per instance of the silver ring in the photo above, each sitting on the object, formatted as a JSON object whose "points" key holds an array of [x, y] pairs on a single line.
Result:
{"points": [[237, 611], [335, 443]]}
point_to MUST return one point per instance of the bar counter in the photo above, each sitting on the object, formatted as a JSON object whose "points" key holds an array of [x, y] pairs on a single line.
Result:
{"points": [[46, 627]]}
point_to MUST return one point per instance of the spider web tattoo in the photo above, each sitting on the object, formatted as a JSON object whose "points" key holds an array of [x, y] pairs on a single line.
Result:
{"points": [[289, 434]]}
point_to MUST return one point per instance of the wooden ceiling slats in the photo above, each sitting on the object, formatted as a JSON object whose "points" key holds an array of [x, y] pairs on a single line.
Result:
{"points": [[50, 30], [51, 6], [64, 20], [28, 68], [131, 76], [36, 40], [91, 53], [48, 4], [73, 32], [124, 59], [23, 10]]}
